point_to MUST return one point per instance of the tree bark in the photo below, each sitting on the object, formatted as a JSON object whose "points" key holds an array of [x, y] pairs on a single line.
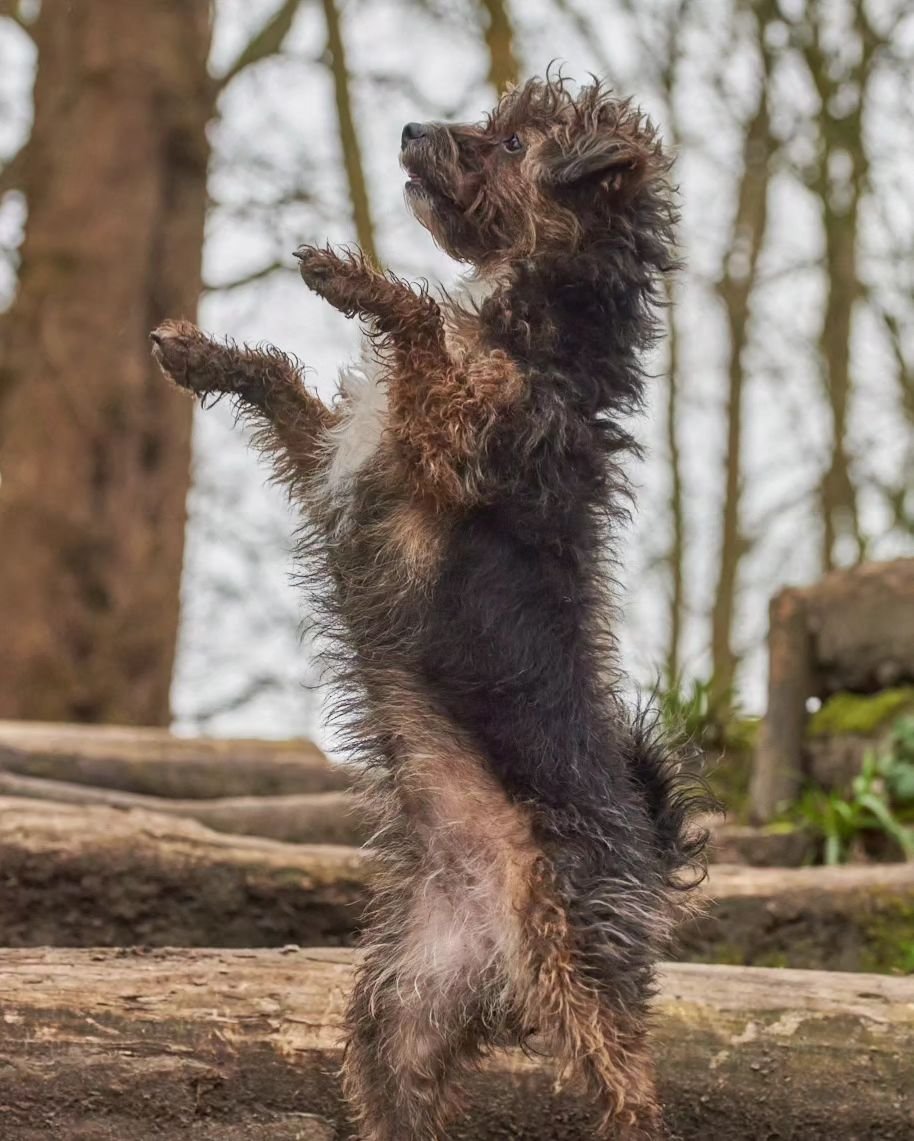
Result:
{"points": [[94, 448], [96, 876], [855, 918], [246, 1045], [853, 630]]}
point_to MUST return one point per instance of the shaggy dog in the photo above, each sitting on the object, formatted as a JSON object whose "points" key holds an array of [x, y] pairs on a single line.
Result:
{"points": [[536, 837]]}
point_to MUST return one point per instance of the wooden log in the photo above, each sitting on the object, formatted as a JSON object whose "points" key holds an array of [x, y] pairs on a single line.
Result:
{"points": [[861, 620], [310, 818], [855, 918], [75, 876], [157, 763], [777, 771], [760, 846], [245, 1044], [72, 876], [336, 818]]}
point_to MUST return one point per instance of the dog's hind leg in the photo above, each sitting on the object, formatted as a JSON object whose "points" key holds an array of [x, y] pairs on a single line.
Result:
{"points": [[267, 386], [425, 1004], [597, 1034]]}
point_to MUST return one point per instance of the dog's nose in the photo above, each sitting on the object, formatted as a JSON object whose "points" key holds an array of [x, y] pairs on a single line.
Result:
{"points": [[412, 131]]}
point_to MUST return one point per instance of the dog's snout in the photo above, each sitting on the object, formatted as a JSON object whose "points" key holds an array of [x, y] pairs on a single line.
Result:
{"points": [[411, 132]]}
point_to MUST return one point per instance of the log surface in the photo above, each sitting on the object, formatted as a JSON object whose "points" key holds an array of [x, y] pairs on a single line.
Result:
{"points": [[297, 818], [98, 876], [243, 1045], [157, 763], [854, 918], [75, 876]]}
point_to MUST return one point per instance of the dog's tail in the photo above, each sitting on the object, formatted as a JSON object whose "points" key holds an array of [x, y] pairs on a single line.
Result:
{"points": [[617, 881]]}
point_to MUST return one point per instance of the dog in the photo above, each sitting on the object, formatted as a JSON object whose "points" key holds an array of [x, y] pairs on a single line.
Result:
{"points": [[537, 838]]}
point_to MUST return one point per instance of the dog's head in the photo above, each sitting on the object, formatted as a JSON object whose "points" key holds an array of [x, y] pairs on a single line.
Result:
{"points": [[548, 172]]}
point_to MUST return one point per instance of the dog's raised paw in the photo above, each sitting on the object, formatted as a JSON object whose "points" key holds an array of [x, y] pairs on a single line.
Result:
{"points": [[174, 344]]}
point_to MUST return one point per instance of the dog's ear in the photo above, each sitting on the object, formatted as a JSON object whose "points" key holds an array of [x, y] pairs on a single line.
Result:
{"points": [[597, 156]]}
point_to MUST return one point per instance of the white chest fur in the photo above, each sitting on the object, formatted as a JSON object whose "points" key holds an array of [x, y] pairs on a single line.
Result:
{"points": [[356, 438]]}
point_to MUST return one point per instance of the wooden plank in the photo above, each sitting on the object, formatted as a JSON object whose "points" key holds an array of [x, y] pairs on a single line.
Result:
{"points": [[245, 1044]]}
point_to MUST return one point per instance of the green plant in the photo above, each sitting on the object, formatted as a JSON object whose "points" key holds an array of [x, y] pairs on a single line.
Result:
{"points": [[689, 710], [686, 712], [870, 806], [900, 765]]}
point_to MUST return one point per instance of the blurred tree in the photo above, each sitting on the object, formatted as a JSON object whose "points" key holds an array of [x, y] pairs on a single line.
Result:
{"points": [[839, 179], [349, 139], [94, 449], [735, 288], [499, 35]]}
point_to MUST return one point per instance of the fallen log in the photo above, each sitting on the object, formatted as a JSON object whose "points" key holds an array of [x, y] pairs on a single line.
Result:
{"points": [[309, 818], [244, 1045], [98, 876], [157, 763], [73, 876], [336, 818], [760, 847], [854, 918]]}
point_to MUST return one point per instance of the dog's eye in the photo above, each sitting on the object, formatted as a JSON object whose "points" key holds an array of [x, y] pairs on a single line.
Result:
{"points": [[513, 144]]}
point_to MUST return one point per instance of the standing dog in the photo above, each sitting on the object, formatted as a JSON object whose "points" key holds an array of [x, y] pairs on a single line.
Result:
{"points": [[536, 837]]}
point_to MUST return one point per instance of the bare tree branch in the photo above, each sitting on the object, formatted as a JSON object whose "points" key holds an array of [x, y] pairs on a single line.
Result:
{"points": [[265, 43], [264, 271]]}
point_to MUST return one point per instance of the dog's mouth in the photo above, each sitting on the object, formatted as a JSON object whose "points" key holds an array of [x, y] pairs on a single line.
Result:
{"points": [[417, 179], [421, 181]]}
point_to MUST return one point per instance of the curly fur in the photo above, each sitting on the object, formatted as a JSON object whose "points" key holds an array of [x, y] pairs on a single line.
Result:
{"points": [[536, 838]]}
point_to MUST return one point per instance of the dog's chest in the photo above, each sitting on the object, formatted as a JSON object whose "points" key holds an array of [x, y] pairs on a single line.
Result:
{"points": [[356, 438]]}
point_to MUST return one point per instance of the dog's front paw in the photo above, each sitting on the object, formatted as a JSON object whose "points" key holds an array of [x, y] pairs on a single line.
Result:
{"points": [[176, 347], [318, 267]]}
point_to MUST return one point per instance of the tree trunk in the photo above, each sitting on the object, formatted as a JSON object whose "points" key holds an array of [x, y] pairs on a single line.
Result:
{"points": [[842, 85], [735, 290], [349, 138], [244, 1045], [296, 818], [676, 556], [840, 519], [503, 69], [777, 772], [94, 448]]}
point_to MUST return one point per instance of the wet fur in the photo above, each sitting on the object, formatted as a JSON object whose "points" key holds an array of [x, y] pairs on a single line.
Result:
{"points": [[536, 838]]}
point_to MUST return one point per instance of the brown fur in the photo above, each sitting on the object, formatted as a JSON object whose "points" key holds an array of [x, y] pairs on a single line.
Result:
{"points": [[532, 836]]}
